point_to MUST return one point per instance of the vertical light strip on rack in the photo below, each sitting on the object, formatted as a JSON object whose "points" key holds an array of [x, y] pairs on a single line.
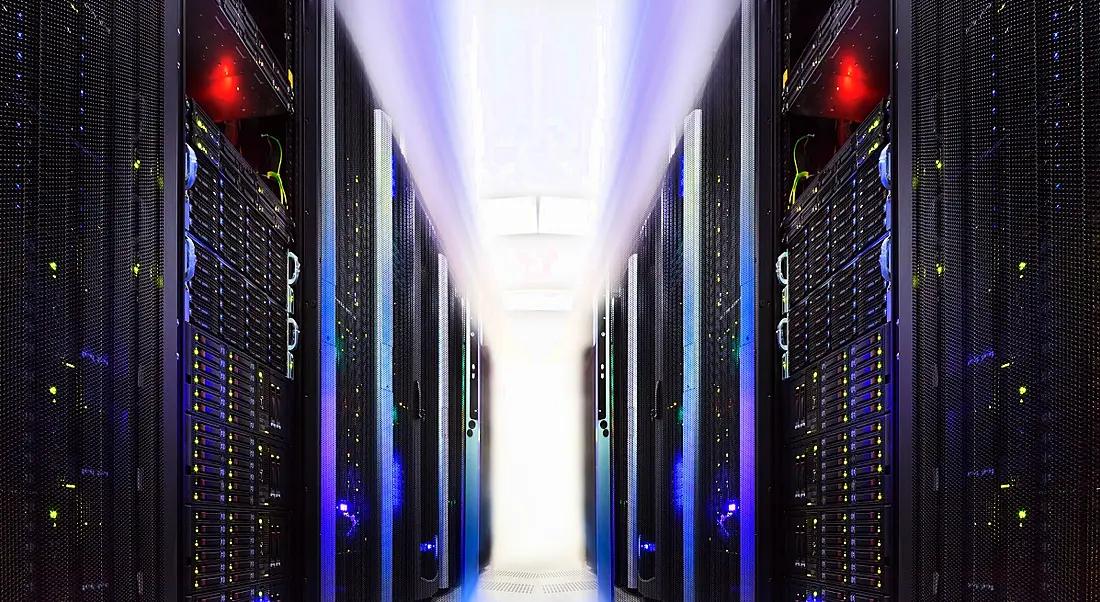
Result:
{"points": [[383, 346], [746, 350], [605, 583], [471, 496], [443, 405], [327, 339], [632, 422], [693, 148]]}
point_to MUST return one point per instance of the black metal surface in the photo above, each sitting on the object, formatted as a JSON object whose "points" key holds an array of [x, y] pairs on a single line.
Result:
{"points": [[309, 561], [456, 355], [668, 427], [230, 69], [170, 530], [845, 69], [1004, 286], [718, 528], [81, 229], [357, 563], [646, 248], [618, 372]]}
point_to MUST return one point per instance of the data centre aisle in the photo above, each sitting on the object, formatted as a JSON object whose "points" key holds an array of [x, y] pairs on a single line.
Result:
{"points": [[537, 465]]}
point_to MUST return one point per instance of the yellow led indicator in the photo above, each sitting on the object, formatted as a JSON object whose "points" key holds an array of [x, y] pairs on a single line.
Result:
{"points": [[1023, 390], [53, 514], [53, 390], [1022, 514]]}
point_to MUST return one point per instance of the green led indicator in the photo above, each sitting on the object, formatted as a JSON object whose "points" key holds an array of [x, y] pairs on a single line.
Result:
{"points": [[53, 266], [1023, 264], [1022, 514], [53, 390], [53, 514], [1023, 389]]}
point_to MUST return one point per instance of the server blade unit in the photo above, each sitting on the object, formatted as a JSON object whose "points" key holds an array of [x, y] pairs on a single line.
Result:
{"points": [[836, 409]]}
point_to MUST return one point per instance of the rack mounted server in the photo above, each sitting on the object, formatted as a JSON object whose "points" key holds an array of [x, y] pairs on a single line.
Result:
{"points": [[239, 333], [836, 415]]}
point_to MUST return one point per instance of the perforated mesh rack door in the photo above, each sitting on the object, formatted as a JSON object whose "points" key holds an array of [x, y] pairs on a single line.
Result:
{"points": [[670, 369], [718, 520], [645, 546], [407, 283], [1006, 121], [357, 563], [81, 229]]}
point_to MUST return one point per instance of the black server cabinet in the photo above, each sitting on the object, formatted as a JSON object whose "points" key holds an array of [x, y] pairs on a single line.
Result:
{"points": [[415, 368], [1004, 115], [241, 423], [645, 547], [358, 565], [623, 442], [82, 241], [661, 466], [454, 411], [718, 487]]}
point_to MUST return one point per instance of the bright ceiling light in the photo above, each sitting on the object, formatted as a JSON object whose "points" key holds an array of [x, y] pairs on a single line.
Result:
{"points": [[509, 216], [565, 216]]}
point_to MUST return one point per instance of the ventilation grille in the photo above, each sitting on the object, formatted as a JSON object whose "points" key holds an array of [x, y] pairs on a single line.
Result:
{"points": [[574, 586], [509, 587], [81, 252], [1006, 122], [358, 563]]}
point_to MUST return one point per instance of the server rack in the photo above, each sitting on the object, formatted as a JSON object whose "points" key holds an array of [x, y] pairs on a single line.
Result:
{"points": [[623, 410], [660, 492], [243, 445], [1001, 250], [456, 419], [835, 423], [416, 459], [358, 571], [473, 515], [83, 233], [718, 487]]}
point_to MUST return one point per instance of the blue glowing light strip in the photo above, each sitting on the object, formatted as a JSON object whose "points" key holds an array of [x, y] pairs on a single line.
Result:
{"points": [[383, 344], [692, 182], [327, 293], [471, 499], [605, 580], [632, 422], [747, 351], [443, 303]]}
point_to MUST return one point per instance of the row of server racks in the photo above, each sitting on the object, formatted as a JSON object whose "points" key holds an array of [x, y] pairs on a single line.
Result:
{"points": [[851, 355], [238, 365]]}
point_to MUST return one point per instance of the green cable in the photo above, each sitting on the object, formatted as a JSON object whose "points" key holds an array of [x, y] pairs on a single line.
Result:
{"points": [[277, 175], [798, 175]]}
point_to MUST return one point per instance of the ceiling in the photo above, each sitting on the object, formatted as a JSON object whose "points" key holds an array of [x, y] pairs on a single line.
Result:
{"points": [[514, 99], [539, 95]]}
